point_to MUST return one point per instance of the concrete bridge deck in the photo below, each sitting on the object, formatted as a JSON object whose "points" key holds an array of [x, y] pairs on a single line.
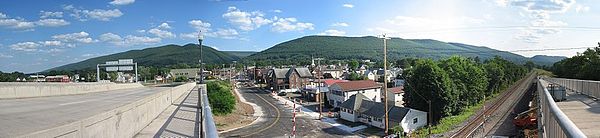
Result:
{"points": [[584, 112], [23, 116]]}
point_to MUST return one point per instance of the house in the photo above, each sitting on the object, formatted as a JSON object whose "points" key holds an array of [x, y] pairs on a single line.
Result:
{"points": [[341, 91], [395, 95], [298, 78], [277, 78], [371, 75], [359, 108], [289, 78]]}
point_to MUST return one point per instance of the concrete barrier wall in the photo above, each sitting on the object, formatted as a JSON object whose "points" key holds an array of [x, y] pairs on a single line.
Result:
{"points": [[12, 90], [123, 122]]}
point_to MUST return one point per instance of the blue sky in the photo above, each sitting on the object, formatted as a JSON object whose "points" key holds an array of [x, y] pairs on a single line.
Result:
{"points": [[35, 37]]}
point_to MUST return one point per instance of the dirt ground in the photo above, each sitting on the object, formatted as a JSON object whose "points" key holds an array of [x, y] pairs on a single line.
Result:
{"points": [[241, 116]]}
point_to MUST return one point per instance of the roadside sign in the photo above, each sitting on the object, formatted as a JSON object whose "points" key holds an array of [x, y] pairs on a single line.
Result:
{"points": [[112, 68], [125, 68]]}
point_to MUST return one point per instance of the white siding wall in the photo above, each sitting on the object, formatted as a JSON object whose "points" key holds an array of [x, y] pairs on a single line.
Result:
{"points": [[407, 123], [348, 116]]}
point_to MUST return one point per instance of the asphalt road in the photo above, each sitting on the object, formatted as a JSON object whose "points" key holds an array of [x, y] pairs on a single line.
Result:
{"points": [[23, 116], [277, 120]]}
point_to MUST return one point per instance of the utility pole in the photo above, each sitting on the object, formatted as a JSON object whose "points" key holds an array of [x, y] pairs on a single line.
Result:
{"points": [[385, 81], [201, 129], [320, 95]]}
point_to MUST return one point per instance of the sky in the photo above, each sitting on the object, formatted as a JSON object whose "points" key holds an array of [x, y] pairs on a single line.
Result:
{"points": [[50, 33]]}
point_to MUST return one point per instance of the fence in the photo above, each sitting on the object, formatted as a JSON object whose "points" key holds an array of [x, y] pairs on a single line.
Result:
{"points": [[587, 87], [552, 122]]}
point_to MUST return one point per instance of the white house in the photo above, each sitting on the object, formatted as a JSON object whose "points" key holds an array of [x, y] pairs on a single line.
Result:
{"points": [[360, 109], [395, 95], [341, 91]]}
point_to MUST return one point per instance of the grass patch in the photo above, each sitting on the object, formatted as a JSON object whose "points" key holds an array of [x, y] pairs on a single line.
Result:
{"points": [[544, 72], [450, 122]]}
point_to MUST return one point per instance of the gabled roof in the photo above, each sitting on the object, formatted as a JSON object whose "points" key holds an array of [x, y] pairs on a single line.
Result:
{"points": [[396, 90], [329, 82], [357, 85], [304, 72], [375, 109], [354, 102], [280, 73]]}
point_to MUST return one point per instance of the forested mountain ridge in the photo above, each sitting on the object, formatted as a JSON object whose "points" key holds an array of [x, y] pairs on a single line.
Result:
{"points": [[369, 47]]}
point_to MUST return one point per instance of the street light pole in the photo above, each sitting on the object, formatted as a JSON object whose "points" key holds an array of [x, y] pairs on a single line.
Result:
{"points": [[200, 38]]}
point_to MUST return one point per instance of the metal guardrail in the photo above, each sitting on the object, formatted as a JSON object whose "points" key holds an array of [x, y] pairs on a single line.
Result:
{"points": [[553, 123], [208, 129], [587, 87]]}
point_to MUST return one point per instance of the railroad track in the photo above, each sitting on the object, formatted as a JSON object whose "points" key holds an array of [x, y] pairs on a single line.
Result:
{"points": [[473, 125]]}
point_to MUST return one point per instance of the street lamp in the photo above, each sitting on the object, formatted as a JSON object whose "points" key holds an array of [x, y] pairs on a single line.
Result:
{"points": [[200, 38]]}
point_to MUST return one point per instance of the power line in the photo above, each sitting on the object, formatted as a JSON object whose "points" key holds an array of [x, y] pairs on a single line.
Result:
{"points": [[500, 28]]}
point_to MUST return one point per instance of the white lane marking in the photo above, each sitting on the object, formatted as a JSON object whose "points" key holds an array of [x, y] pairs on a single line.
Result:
{"points": [[74, 102]]}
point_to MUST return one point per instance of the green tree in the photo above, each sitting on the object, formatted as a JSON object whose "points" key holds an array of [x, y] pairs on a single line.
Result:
{"points": [[220, 97], [469, 78], [426, 81], [353, 64]]}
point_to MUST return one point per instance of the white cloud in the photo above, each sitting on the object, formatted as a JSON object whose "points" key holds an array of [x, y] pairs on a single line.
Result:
{"points": [[98, 14], [111, 38], [290, 24], [581, 8], [164, 26], [553, 6], [161, 33], [340, 24], [121, 2], [47, 14], [540, 13], [188, 35], [52, 22], [25, 46], [128, 40], [51, 43], [276, 11], [141, 40], [15, 23], [224, 33], [333, 32], [246, 21], [347, 5], [81, 37], [199, 25], [5, 55]]}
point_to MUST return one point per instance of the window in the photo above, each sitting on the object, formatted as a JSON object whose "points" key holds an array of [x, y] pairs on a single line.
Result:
{"points": [[415, 120]]}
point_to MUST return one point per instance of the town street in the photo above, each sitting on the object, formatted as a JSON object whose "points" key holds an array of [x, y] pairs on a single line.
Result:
{"points": [[277, 120]]}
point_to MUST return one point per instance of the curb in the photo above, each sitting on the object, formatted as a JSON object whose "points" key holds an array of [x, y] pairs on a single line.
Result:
{"points": [[257, 112]]}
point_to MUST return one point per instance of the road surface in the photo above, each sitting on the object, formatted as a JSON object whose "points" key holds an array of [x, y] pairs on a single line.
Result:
{"points": [[24, 116], [277, 120]]}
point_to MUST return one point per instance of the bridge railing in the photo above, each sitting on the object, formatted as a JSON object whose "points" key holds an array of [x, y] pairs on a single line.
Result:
{"points": [[587, 87], [553, 123], [208, 128]]}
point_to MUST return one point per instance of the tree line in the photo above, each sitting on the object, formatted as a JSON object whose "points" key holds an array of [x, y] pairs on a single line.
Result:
{"points": [[455, 83], [585, 66]]}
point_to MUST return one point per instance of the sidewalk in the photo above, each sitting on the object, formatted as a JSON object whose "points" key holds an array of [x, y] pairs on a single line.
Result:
{"points": [[307, 112], [178, 120]]}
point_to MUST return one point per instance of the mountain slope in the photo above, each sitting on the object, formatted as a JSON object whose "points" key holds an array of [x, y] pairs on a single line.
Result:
{"points": [[546, 60], [335, 47], [157, 56], [240, 54]]}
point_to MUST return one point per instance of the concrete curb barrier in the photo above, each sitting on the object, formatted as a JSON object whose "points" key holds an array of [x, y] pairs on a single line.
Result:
{"points": [[124, 121], [13, 90]]}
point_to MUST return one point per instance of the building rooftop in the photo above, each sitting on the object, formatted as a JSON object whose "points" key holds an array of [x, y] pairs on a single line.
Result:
{"points": [[357, 85]]}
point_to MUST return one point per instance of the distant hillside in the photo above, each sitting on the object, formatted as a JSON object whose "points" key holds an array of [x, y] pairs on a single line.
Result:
{"points": [[240, 54], [546, 60], [335, 47], [158, 56]]}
